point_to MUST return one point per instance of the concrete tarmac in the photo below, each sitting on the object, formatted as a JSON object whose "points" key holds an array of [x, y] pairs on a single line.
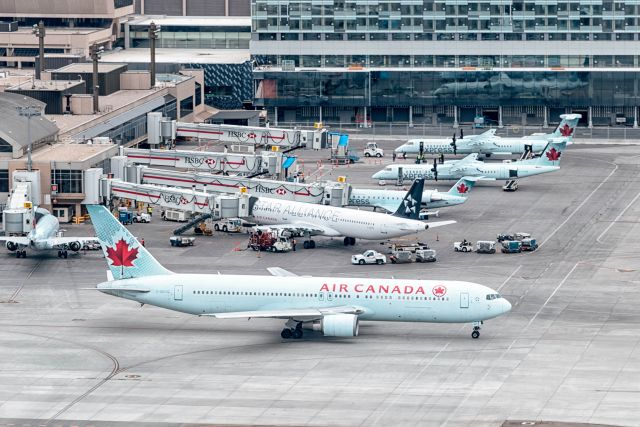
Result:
{"points": [[568, 351]]}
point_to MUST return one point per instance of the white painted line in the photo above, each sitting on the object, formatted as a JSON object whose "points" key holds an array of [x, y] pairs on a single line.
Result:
{"points": [[617, 218], [551, 296], [579, 206], [509, 278]]}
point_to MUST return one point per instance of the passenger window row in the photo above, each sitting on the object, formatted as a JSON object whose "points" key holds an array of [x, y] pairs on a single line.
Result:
{"points": [[307, 295]]}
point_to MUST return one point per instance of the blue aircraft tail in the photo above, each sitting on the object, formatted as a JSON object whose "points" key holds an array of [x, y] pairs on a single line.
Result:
{"points": [[567, 126], [551, 154], [410, 206], [126, 257]]}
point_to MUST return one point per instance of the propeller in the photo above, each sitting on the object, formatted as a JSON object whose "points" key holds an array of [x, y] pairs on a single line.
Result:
{"points": [[434, 169], [461, 134], [454, 145]]}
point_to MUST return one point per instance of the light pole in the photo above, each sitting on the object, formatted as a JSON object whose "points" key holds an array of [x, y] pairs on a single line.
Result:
{"points": [[40, 32], [28, 112], [95, 52], [154, 31]]}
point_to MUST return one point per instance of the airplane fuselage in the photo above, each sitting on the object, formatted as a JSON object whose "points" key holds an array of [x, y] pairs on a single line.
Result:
{"points": [[46, 227], [496, 145], [390, 200], [498, 171], [379, 299], [335, 220]]}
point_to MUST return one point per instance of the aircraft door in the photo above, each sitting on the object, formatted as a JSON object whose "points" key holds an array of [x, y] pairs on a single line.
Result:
{"points": [[177, 293], [513, 173], [464, 300]]}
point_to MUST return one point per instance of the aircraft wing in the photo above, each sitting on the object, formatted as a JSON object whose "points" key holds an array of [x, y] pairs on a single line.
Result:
{"points": [[300, 228], [483, 138], [307, 313], [468, 159], [18, 240], [61, 241], [280, 272]]}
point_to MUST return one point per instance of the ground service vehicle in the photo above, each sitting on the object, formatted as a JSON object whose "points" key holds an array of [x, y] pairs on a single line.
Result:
{"points": [[181, 241], [511, 247], [486, 247], [425, 255], [372, 150], [464, 246], [125, 217], [142, 217], [173, 215], [529, 244], [269, 241], [228, 225], [401, 257], [369, 257], [505, 236], [413, 247]]}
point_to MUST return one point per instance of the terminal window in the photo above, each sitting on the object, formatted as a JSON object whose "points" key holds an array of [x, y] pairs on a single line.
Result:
{"points": [[4, 181], [68, 181]]}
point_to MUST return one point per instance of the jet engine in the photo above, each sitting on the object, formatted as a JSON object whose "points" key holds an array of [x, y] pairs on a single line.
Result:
{"points": [[340, 325], [12, 246], [75, 246]]}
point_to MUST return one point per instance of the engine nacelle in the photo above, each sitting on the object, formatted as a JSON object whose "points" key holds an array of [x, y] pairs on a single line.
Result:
{"points": [[340, 325], [12, 246], [75, 246]]}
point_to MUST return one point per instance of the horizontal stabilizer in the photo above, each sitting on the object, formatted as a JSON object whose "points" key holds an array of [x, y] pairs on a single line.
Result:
{"points": [[440, 223]]}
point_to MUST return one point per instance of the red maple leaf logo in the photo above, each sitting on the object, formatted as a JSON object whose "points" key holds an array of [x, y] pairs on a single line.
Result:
{"points": [[462, 188], [553, 154], [566, 130], [439, 291], [122, 255]]}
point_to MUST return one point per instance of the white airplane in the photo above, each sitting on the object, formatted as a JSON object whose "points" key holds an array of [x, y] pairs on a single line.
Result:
{"points": [[389, 200], [488, 143], [549, 161], [331, 305], [44, 237], [310, 219]]}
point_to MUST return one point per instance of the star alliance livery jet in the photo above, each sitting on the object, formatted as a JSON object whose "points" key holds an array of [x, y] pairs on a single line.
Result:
{"points": [[489, 143], [307, 219], [333, 306]]}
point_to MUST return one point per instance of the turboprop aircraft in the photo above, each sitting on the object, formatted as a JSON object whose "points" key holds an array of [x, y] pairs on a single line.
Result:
{"points": [[333, 306], [489, 143], [389, 200], [308, 219], [549, 161], [44, 237]]}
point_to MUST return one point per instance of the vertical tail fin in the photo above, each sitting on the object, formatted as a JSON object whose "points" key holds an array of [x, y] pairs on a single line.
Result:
{"points": [[125, 256], [410, 206], [551, 154], [567, 126], [462, 187]]}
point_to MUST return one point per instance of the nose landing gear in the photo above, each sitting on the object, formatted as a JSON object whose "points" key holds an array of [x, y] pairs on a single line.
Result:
{"points": [[62, 254], [476, 330]]}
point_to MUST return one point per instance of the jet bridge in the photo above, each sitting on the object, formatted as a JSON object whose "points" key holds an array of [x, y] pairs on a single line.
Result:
{"points": [[218, 205], [242, 135], [328, 193], [270, 162]]}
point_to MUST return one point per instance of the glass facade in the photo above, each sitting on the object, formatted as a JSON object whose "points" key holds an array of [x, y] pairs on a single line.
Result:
{"points": [[192, 37], [68, 181]]}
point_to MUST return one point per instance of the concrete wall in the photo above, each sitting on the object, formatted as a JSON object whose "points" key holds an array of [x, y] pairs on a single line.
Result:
{"points": [[62, 8], [134, 80]]}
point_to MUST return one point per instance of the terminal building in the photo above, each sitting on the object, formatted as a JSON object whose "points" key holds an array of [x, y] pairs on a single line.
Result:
{"points": [[437, 61]]}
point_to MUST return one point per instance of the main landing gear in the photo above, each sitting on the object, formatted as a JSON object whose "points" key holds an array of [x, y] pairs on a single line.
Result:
{"points": [[21, 254], [62, 254], [309, 244], [295, 333], [476, 330], [349, 241]]}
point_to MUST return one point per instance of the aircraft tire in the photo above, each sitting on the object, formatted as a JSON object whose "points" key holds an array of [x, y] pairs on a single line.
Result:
{"points": [[286, 333], [64, 254], [475, 335], [297, 333], [216, 227], [312, 244]]}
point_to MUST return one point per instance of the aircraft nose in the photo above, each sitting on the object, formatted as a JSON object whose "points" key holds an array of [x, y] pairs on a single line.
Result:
{"points": [[377, 175], [506, 305]]}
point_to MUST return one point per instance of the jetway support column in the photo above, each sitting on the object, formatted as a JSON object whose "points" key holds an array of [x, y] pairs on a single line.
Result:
{"points": [[410, 116], [364, 123], [589, 113], [455, 116], [320, 113], [500, 116], [635, 117], [545, 118]]}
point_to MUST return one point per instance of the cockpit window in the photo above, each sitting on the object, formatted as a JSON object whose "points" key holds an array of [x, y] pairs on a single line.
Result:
{"points": [[493, 296], [388, 168]]}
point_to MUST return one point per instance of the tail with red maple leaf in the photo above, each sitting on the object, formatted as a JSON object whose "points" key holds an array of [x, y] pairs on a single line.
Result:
{"points": [[463, 187], [126, 257], [550, 156], [567, 126]]}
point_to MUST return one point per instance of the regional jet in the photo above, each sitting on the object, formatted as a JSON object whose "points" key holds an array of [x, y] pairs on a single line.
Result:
{"points": [[306, 219], [333, 306], [489, 143], [45, 236], [549, 161]]}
